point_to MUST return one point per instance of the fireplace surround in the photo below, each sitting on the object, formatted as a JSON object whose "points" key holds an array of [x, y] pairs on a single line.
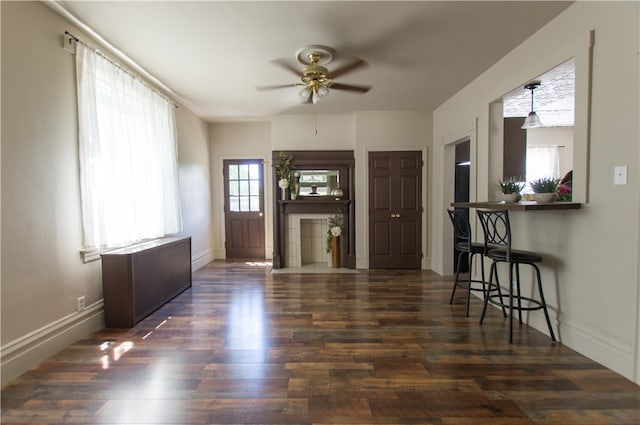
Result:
{"points": [[343, 162]]}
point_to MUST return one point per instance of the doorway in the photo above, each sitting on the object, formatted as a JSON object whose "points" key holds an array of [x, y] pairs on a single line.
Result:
{"points": [[244, 208], [395, 210], [461, 192]]}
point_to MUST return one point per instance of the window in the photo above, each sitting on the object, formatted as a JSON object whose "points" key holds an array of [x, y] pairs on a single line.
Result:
{"points": [[127, 153], [244, 187]]}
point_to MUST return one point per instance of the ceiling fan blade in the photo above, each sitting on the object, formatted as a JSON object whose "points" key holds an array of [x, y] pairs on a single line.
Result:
{"points": [[284, 64], [357, 64], [350, 87], [279, 86]]}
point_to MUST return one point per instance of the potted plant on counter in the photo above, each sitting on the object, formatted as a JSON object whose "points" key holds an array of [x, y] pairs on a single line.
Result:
{"points": [[510, 189], [544, 189]]}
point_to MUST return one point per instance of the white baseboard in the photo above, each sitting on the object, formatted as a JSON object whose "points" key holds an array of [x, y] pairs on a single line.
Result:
{"points": [[27, 351], [603, 348], [201, 259], [606, 349], [23, 353]]}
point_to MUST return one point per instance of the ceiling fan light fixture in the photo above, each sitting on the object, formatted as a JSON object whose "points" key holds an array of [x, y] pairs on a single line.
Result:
{"points": [[305, 93], [323, 91], [532, 120]]}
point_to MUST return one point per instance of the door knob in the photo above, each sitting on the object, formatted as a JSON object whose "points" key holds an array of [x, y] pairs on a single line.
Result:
{"points": [[260, 214]]}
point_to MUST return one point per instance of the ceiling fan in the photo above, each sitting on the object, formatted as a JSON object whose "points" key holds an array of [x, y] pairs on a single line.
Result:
{"points": [[316, 79]]}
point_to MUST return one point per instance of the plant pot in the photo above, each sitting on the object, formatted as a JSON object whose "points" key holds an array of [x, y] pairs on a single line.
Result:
{"points": [[544, 198], [510, 197]]}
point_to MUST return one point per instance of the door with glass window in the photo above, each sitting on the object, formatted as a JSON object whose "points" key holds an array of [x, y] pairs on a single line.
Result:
{"points": [[243, 208]]}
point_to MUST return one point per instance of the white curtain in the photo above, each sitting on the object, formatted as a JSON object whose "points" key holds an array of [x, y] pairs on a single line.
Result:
{"points": [[542, 161], [128, 157]]}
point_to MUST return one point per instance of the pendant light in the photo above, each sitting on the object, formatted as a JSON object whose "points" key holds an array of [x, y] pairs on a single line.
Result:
{"points": [[532, 120]]}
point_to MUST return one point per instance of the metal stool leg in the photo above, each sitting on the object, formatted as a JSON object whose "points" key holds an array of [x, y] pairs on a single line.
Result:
{"points": [[518, 296], [544, 303], [455, 282], [470, 265], [510, 304]]}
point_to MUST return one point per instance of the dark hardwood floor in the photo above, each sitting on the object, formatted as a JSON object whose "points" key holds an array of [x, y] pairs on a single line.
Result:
{"points": [[377, 347]]}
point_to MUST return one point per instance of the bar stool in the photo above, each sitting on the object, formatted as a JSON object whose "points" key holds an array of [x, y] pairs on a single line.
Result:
{"points": [[497, 239], [464, 244]]}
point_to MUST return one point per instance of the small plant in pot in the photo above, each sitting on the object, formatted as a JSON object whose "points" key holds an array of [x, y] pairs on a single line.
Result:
{"points": [[544, 189], [510, 189]]}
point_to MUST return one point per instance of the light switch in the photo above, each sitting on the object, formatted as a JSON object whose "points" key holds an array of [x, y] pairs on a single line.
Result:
{"points": [[620, 174]]}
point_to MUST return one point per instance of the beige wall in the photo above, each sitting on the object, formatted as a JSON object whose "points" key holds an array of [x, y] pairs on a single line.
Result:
{"points": [[591, 270], [385, 131], [238, 140], [42, 271], [361, 132]]}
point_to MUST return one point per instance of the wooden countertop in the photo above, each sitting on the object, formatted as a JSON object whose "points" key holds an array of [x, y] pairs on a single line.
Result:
{"points": [[519, 206]]}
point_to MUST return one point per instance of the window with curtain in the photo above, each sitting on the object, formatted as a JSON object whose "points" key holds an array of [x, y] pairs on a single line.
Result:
{"points": [[542, 161], [128, 156]]}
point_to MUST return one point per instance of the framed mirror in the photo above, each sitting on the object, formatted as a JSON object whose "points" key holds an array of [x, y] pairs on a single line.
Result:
{"points": [[316, 183]]}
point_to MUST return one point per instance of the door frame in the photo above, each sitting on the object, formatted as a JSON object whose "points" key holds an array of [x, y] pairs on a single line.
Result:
{"points": [[218, 213], [363, 207]]}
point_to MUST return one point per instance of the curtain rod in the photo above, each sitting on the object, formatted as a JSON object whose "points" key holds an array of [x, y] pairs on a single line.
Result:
{"points": [[74, 39], [59, 8]]}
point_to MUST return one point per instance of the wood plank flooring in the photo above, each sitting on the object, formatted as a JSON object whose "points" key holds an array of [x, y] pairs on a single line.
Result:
{"points": [[246, 346]]}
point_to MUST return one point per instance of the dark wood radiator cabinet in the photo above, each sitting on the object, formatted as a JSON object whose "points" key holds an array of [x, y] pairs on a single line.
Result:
{"points": [[138, 280]]}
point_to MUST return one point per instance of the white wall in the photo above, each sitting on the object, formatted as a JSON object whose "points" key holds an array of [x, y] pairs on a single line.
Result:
{"points": [[195, 184], [386, 131], [591, 274], [238, 140], [298, 132], [42, 270]]}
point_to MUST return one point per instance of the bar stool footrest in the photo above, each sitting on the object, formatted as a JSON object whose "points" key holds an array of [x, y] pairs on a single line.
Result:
{"points": [[537, 304]]}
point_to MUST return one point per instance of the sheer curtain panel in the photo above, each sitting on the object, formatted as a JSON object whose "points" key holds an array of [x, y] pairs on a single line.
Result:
{"points": [[128, 157]]}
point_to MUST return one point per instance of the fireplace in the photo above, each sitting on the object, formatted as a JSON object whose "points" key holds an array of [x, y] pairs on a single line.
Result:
{"points": [[306, 239], [290, 216]]}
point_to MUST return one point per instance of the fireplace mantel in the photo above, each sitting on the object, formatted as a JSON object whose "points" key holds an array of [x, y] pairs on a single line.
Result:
{"points": [[329, 206], [344, 162]]}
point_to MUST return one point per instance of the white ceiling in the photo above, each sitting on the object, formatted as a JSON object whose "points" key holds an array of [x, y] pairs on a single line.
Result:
{"points": [[212, 54], [553, 101]]}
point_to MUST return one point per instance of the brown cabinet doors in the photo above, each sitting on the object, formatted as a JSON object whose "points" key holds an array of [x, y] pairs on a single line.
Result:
{"points": [[395, 210], [244, 208]]}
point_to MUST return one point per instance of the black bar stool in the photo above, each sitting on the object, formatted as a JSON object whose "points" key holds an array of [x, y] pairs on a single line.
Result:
{"points": [[464, 244], [497, 239]]}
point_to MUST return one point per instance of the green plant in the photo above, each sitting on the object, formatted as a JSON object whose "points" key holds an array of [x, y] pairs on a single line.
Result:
{"points": [[544, 185], [283, 167], [334, 228], [510, 185]]}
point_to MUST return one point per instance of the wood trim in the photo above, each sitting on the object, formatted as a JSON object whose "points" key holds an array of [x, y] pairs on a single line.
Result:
{"points": [[344, 162]]}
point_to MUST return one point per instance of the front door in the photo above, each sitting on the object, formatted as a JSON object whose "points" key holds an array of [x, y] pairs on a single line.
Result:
{"points": [[395, 210], [243, 208]]}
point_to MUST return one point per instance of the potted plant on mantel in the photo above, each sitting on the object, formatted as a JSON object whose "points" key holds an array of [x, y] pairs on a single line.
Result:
{"points": [[510, 189], [544, 189], [283, 170]]}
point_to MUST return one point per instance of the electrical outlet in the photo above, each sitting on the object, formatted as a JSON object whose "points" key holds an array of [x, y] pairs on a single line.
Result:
{"points": [[80, 303]]}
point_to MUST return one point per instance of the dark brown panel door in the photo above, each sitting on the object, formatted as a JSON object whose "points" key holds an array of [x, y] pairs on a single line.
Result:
{"points": [[243, 208], [395, 210]]}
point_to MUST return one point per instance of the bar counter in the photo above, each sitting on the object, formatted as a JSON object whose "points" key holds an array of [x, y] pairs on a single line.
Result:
{"points": [[519, 206]]}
